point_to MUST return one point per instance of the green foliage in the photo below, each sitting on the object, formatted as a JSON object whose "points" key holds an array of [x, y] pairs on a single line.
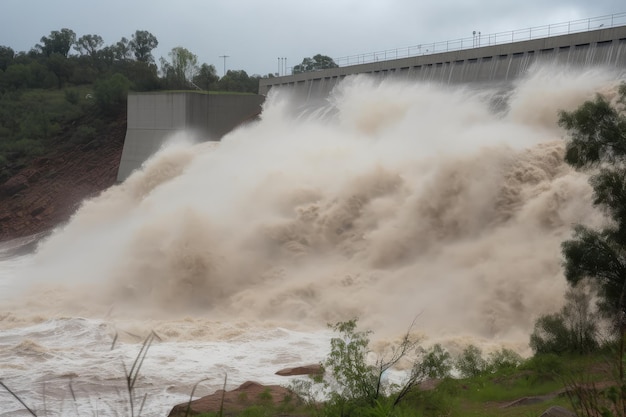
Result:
{"points": [[89, 45], [437, 362], [111, 93], [597, 137], [180, 71], [58, 42], [574, 329], [142, 44], [504, 359], [238, 81], [83, 134], [356, 386], [72, 96], [470, 363], [318, 62], [550, 335], [206, 78], [6, 57], [544, 364]]}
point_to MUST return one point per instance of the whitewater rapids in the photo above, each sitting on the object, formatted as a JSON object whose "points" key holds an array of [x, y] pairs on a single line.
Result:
{"points": [[392, 200]]}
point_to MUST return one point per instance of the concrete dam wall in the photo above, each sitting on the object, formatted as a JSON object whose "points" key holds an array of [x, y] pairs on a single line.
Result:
{"points": [[154, 117], [488, 64]]}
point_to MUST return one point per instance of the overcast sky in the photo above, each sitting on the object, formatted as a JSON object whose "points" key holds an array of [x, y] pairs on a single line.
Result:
{"points": [[255, 33]]}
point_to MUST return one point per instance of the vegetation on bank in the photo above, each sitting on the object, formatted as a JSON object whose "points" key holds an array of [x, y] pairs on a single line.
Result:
{"points": [[72, 87]]}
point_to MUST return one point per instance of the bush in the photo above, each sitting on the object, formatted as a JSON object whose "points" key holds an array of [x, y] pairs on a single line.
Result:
{"points": [[573, 329], [504, 359], [83, 134], [437, 362], [470, 362], [355, 386], [72, 96], [111, 93]]}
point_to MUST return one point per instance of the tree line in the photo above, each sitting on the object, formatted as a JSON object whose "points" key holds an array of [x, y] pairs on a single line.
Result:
{"points": [[62, 59]]}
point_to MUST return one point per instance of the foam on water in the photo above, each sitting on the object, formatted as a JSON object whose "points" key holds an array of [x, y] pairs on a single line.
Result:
{"points": [[392, 200]]}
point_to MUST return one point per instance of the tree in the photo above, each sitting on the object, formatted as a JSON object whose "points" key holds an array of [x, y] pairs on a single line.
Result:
{"points": [[142, 44], [356, 386], [318, 62], [181, 69], [206, 78], [59, 42], [598, 143], [89, 45], [110, 94], [6, 57], [122, 50], [574, 329], [238, 81], [61, 67]]}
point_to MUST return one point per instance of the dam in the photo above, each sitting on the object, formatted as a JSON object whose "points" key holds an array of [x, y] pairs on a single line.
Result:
{"points": [[488, 59]]}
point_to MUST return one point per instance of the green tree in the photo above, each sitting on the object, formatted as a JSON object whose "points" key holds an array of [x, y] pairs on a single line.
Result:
{"points": [[470, 362], [6, 57], [206, 78], [573, 329], [181, 69], [61, 67], [357, 386], [318, 62], [142, 44], [598, 143], [89, 45], [122, 50], [110, 94], [59, 42], [239, 81]]}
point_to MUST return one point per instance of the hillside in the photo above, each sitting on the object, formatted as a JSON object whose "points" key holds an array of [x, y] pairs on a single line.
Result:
{"points": [[47, 190]]}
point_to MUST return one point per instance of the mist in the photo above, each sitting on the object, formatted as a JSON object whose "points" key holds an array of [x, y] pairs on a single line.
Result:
{"points": [[392, 200]]}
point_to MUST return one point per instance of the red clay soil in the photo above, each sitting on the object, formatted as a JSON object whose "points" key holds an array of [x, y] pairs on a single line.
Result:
{"points": [[50, 189]]}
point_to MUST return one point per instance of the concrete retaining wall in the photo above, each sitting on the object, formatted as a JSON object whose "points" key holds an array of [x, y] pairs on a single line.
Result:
{"points": [[154, 117]]}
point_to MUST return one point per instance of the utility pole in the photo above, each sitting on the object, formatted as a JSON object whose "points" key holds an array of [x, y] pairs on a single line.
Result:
{"points": [[224, 56]]}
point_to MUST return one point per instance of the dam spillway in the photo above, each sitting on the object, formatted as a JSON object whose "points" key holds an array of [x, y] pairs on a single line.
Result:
{"points": [[605, 47]]}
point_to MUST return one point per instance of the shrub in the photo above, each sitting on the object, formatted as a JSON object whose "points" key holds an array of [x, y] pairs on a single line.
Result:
{"points": [[504, 359], [355, 386], [83, 134], [573, 329], [111, 93], [72, 96], [437, 362], [470, 362]]}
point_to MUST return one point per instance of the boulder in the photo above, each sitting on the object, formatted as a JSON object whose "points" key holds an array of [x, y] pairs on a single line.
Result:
{"points": [[247, 395], [314, 369]]}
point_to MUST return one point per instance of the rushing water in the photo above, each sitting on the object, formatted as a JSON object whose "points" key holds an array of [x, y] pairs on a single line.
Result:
{"points": [[391, 201]]}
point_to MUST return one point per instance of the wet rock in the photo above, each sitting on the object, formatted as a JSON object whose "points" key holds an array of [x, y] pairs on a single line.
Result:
{"points": [[314, 369], [245, 396]]}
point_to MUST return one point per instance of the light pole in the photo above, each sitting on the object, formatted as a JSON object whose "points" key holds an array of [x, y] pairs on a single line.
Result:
{"points": [[224, 56]]}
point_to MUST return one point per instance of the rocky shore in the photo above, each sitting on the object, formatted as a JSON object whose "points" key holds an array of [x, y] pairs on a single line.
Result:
{"points": [[47, 191]]}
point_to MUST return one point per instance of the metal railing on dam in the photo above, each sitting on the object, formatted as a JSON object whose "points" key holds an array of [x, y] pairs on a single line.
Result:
{"points": [[605, 46], [478, 40]]}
